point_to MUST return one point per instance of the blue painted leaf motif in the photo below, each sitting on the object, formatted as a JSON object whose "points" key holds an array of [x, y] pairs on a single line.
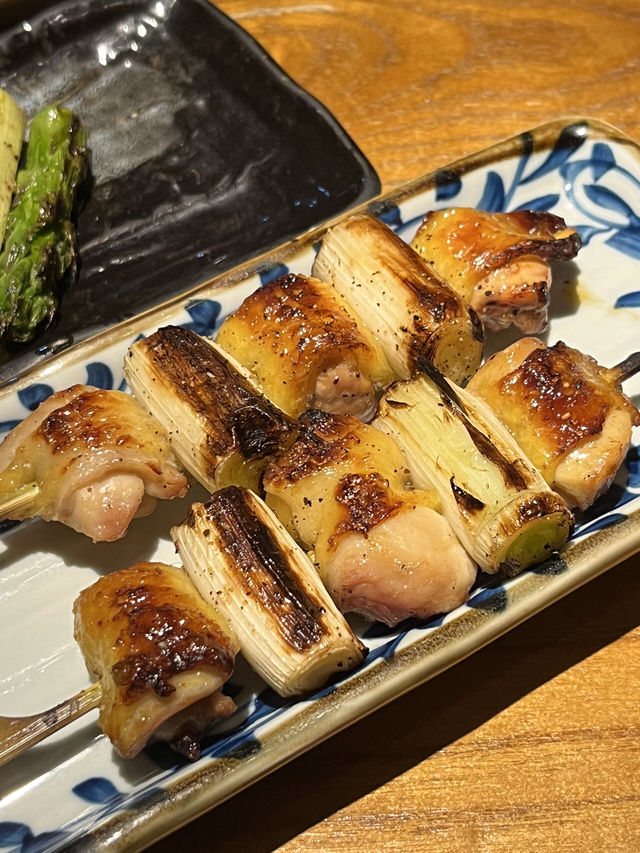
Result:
{"points": [[96, 790], [586, 232], [600, 523], [99, 375], [604, 197], [12, 834], [602, 159], [493, 196], [44, 842], [204, 314], [273, 272], [6, 426], [633, 467], [385, 650], [571, 138], [543, 202], [448, 185], [391, 217], [628, 300], [494, 600], [553, 567], [32, 396], [627, 241]]}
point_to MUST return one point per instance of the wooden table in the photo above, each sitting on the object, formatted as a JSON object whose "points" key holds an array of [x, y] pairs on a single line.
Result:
{"points": [[533, 743]]}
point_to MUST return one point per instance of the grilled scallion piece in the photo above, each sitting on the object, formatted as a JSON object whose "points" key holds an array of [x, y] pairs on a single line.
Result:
{"points": [[245, 563], [220, 426], [497, 503], [411, 310], [39, 246], [12, 124]]}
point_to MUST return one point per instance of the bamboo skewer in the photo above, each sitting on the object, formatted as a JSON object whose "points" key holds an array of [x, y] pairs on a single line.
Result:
{"points": [[24, 496], [627, 368], [19, 733]]}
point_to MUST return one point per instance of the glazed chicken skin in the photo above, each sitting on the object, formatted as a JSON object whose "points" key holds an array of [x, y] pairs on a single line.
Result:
{"points": [[306, 348], [97, 458], [161, 653], [498, 262], [381, 549], [567, 413]]}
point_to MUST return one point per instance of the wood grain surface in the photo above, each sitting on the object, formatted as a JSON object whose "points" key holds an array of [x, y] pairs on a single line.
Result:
{"points": [[533, 743]]}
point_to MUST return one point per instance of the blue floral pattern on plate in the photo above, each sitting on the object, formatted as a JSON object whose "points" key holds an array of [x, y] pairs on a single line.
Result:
{"points": [[593, 183]]}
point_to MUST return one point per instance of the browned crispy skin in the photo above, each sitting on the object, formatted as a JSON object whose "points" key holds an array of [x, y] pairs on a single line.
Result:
{"points": [[557, 401], [298, 337], [158, 650], [361, 466], [96, 456], [498, 262], [381, 548]]}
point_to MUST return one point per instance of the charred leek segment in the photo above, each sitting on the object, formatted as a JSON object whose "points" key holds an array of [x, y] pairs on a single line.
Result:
{"points": [[39, 246], [306, 349], [410, 309], [161, 654], [12, 124], [497, 503], [220, 426], [244, 562]]}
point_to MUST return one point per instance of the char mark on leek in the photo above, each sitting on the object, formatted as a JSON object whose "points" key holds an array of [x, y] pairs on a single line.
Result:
{"points": [[261, 569], [40, 241], [466, 501]]}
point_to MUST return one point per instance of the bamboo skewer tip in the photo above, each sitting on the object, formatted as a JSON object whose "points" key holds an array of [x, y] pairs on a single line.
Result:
{"points": [[18, 500], [19, 733]]}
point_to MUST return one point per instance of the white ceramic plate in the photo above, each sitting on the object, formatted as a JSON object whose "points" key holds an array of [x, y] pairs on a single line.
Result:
{"points": [[72, 790]]}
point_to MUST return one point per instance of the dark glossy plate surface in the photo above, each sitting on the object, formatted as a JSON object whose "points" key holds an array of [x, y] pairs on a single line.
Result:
{"points": [[204, 152]]}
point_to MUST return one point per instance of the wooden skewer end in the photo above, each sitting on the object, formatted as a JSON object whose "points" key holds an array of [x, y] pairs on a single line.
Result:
{"points": [[18, 500]]}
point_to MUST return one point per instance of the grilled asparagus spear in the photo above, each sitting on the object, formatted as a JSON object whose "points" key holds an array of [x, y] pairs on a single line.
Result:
{"points": [[39, 245], [12, 124], [497, 503]]}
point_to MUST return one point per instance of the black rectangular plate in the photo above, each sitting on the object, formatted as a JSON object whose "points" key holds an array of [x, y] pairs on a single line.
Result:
{"points": [[204, 151]]}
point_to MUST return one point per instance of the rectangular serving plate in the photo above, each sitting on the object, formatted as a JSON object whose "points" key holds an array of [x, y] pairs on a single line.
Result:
{"points": [[72, 790]]}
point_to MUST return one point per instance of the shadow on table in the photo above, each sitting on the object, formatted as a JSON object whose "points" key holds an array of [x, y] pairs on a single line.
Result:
{"points": [[413, 727]]}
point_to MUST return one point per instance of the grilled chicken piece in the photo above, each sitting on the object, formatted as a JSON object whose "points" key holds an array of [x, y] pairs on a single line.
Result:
{"points": [[498, 262], [241, 557], [409, 307], [306, 349], [567, 413], [222, 428], [97, 459], [382, 549], [161, 653]]}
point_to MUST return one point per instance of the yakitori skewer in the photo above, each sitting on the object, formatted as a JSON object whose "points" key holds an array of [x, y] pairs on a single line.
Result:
{"points": [[20, 733]]}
